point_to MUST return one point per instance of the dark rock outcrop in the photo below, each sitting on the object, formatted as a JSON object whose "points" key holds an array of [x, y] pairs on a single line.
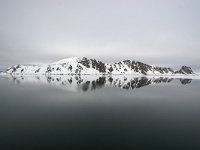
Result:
{"points": [[185, 70]]}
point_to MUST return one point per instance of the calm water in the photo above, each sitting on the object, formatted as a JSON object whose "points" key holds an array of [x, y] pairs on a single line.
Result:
{"points": [[89, 112]]}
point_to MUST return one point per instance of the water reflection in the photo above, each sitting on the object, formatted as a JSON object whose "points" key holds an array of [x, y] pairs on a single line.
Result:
{"points": [[185, 81], [90, 82]]}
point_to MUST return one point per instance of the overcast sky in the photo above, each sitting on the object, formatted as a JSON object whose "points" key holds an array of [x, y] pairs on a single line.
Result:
{"points": [[162, 32]]}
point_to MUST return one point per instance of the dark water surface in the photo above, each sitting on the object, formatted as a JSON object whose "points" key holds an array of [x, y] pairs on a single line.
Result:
{"points": [[99, 113]]}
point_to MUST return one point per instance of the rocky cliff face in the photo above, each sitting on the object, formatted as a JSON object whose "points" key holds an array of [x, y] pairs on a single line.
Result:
{"points": [[185, 70], [132, 67], [83, 65]]}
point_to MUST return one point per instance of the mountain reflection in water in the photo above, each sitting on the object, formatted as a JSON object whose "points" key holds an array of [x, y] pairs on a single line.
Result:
{"points": [[91, 82]]}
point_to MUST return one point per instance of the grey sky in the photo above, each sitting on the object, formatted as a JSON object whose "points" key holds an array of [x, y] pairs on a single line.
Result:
{"points": [[164, 32]]}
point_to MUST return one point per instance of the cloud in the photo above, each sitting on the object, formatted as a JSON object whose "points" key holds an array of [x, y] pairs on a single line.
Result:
{"points": [[156, 32]]}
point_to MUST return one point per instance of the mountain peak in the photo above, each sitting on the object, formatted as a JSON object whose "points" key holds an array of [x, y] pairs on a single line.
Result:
{"points": [[185, 70], [67, 60]]}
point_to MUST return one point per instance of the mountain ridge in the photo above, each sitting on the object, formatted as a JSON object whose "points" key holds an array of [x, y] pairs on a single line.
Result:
{"points": [[83, 65]]}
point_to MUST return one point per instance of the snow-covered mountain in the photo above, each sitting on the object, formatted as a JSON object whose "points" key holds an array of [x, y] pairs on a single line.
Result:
{"points": [[83, 65], [74, 65]]}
